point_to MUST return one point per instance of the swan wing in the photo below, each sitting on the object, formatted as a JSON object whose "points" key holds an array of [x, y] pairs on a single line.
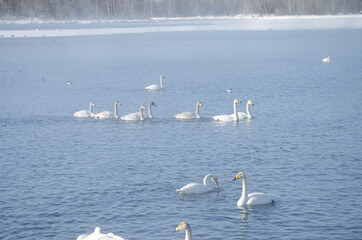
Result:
{"points": [[194, 188], [242, 115], [153, 87], [82, 114], [225, 118], [185, 115], [261, 198], [104, 114], [131, 117]]}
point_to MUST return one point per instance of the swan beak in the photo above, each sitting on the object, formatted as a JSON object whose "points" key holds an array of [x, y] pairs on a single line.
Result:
{"points": [[234, 179], [177, 229], [217, 183]]}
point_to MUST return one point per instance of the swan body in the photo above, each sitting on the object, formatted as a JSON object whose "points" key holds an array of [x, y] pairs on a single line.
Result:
{"points": [[253, 198], [97, 235], [195, 188], [156, 86], [188, 115], [327, 59], [134, 116], [228, 118], [247, 115], [85, 113], [108, 114], [185, 226], [149, 115]]}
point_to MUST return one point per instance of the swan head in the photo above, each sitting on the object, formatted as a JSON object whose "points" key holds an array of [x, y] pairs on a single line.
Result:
{"points": [[97, 230], [142, 107], [239, 175], [250, 103], [237, 101], [199, 103], [117, 103], [92, 104], [162, 77], [153, 104], [182, 226]]}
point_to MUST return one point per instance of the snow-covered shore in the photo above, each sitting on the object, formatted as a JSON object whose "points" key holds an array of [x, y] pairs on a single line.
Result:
{"points": [[236, 23]]}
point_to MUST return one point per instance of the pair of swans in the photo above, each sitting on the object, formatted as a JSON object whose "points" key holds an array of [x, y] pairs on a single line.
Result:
{"points": [[236, 115], [245, 199], [188, 115], [139, 115], [97, 235], [156, 86], [327, 59]]}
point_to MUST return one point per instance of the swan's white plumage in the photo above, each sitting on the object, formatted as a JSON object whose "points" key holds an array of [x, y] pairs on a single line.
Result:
{"points": [[188, 115], [134, 116], [242, 115], [185, 226], [108, 114], [327, 59], [229, 90], [195, 188], [253, 198], [97, 235], [156, 86], [85, 113], [228, 118]]}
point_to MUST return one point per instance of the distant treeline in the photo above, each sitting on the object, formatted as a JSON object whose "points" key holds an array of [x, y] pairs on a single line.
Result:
{"points": [[144, 9]]}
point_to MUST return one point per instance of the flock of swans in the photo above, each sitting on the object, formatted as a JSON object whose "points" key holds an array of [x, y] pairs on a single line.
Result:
{"points": [[251, 199], [191, 188], [140, 116]]}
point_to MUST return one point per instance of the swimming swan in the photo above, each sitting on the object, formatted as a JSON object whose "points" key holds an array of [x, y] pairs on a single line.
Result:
{"points": [[242, 115], [184, 226], [327, 59], [253, 198], [188, 115], [108, 114], [97, 235], [156, 86], [85, 113], [231, 117], [149, 110], [134, 116], [195, 188], [229, 90]]}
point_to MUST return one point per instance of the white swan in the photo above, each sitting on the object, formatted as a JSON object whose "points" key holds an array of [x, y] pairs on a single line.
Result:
{"points": [[149, 116], [134, 116], [108, 114], [185, 226], [242, 115], [231, 117], [188, 115], [85, 113], [229, 90], [156, 86], [97, 235], [253, 198], [327, 59], [195, 188]]}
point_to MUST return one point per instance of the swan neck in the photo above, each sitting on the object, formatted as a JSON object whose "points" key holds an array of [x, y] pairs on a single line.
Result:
{"points": [[115, 111], [244, 196], [205, 179], [197, 111], [247, 110], [149, 111], [161, 82], [91, 108], [236, 117], [141, 114], [188, 233]]}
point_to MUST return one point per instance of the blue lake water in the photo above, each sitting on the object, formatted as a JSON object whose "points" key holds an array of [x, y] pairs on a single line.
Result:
{"points": [[61, 176]]}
